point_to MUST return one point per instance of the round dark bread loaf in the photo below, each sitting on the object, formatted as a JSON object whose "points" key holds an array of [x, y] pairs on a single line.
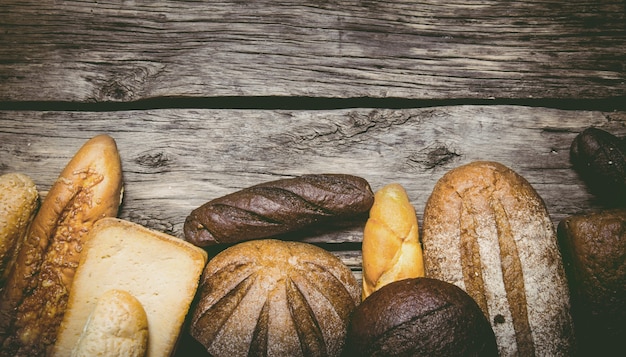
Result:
{"points": [[420, 317], [278, 207], [593, 246], [274, 298]]}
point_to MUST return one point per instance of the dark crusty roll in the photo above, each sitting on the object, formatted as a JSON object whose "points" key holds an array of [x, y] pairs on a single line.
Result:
{"points": [[594, 250], [271, 297], [420, 317], [278, 207], [599, 157], [487, 231]]}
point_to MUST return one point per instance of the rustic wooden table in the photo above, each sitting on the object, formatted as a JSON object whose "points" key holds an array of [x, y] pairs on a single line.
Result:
{"points": [[207, 97]]}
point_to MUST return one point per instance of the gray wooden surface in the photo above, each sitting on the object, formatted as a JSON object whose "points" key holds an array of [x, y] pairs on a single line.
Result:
{"points": [[95, 51], [174, 160]]}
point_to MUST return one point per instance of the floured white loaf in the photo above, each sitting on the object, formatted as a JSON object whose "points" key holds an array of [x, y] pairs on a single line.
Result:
{"points": [[487, 231], [161, 271]]}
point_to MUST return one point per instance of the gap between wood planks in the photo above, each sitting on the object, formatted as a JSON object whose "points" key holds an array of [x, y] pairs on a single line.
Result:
{"points": [[311, 103]]}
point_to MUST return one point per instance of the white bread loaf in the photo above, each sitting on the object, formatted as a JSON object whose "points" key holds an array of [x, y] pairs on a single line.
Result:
{"points": [[487, 231], [117, 326], [161, 271]]}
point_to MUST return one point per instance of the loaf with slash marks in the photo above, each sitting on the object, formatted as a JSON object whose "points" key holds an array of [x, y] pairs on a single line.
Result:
{"points": [[278, 207]]}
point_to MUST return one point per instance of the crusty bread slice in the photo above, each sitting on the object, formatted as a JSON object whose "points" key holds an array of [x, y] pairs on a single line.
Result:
{"points": [[161, 271]]}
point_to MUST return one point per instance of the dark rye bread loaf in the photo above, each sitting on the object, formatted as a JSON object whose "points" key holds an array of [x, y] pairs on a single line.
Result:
{"points": [[420, 317], [274, 298], [278, 207], [594, 249], [487, 231]]}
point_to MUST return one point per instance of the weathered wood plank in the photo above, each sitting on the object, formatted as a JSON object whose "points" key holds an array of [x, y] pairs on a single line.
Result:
{"points": [[84, 51], [175, 160]]}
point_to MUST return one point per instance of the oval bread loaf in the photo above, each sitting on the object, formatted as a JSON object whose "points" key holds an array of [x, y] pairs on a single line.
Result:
{"points": [[274, 298], [487, 231], [19, 200], [391, 249], [278, 207], [117, 326]]}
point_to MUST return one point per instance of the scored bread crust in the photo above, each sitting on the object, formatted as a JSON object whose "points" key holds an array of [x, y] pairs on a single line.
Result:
{"points": [[487, 231], [117, 326], [391, 249], [275, 298], [36, 291]]}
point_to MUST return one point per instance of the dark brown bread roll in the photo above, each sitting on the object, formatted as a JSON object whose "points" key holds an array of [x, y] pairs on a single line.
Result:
{"points": [[278, 207], [274, 298], [594, 250], [420, 317], [600, 159], [487, 231]]}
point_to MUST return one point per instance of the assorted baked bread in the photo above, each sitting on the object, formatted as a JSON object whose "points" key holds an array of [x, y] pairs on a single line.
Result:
{"points": [[391, 249], [487, 279], [594, 250], [487, 231], [35, 293], [420, 317], [271, 297], [159, 270]]}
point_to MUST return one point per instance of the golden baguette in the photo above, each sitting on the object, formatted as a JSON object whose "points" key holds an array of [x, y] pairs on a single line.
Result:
{"points": [[391, 248], [35, 295], [19, 200]]}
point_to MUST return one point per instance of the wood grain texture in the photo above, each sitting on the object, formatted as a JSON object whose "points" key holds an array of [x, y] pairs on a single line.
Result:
{"points": [[175, 160], [110, 51]]}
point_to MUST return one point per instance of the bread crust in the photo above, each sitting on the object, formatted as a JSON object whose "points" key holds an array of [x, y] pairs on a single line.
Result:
{"points": [[278, 207], [487, 231], [118, 326], [274, 298], [391, 249], [35, 295], [19, 201]]}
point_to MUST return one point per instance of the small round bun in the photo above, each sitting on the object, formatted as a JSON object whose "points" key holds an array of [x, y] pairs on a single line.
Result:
{"points": [[420, 317]]}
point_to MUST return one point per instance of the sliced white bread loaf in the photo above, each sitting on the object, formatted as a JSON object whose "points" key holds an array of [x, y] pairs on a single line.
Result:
{"points": [[160, 270]]}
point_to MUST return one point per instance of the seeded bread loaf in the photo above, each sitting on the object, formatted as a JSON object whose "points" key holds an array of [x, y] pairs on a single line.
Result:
{"points": [[19, 200], [35, 294], [159, 270], [487, 231], [274, 298]]}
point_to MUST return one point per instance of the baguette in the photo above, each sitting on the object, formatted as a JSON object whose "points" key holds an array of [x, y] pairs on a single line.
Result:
{"points": [[117, 326], [391, 249], [278, 207], [35, 295], [487, 231], [19, 201]]}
